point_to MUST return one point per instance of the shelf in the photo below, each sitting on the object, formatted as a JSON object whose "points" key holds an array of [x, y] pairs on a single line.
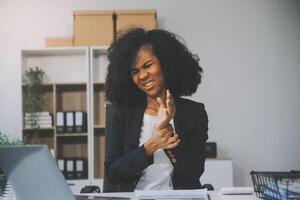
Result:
{"points": [[71, 84], [71, 134], [41, 129], [71, 97], [59, 64], [101, 83], [63, 84], [99, 152], [55, 51], [43, 85], [99, 50], [99, 126], [46, 137], [71, 147]]}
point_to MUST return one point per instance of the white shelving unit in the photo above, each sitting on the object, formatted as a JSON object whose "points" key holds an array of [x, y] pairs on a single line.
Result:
{"points": [[98, 67], [74, 80]]}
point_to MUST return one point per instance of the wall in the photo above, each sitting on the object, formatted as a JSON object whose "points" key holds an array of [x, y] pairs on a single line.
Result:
{"points": [[250, 52]]}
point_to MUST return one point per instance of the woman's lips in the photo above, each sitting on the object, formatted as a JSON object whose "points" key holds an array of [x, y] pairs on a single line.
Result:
{"points": [[148, 84]]}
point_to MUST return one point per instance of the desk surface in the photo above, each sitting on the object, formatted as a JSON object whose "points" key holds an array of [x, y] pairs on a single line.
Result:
{"points": [[213, 195]]}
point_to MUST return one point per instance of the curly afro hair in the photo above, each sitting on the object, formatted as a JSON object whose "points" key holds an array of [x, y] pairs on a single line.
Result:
{"points": [[180, 68]]}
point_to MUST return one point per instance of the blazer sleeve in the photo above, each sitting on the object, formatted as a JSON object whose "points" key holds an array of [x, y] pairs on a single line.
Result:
{"points": [[190, 165], [120, 165]]}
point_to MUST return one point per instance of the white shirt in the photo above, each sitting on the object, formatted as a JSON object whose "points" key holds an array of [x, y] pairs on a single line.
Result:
{"points": [[157, 176]]}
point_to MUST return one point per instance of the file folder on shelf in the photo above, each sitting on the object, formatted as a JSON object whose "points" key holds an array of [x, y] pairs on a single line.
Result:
{"points": [[80, 122], [73, 168], [60, 122], [69, 122], [70, 169], [81, 168], [61, 166]]}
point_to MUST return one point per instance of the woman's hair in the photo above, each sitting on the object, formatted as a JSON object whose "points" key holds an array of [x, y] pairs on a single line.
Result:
{"points": [[180, 68]]}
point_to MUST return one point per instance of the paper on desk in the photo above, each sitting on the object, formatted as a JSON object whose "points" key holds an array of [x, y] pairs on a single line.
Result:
{"points": [[171, 194], [237, 190]]}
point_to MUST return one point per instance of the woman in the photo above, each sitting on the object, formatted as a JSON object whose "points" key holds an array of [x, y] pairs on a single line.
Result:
{"points": [[154, 139]]}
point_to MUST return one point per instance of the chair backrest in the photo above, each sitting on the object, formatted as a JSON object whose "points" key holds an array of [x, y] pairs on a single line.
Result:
{"points": [[107, 186]]}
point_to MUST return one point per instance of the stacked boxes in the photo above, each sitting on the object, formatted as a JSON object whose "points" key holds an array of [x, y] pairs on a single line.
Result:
{"points": [[101, 27]]}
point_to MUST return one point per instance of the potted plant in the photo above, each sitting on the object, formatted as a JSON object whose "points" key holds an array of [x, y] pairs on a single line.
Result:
{"points": [[6, 141], [32, 79]]}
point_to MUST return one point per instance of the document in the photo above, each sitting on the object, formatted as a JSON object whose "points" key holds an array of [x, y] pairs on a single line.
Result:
{"points": [[171, 194], [237, 190]]}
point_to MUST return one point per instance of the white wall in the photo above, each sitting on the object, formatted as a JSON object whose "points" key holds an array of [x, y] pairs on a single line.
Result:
{"points": [[250, 52]]}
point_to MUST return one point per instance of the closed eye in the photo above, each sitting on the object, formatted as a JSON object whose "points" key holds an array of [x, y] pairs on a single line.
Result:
{"points": [[147, 64], [133, 71]]}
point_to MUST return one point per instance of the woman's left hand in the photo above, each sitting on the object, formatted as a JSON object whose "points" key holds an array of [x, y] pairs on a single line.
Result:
{"points": [[166, 111]]}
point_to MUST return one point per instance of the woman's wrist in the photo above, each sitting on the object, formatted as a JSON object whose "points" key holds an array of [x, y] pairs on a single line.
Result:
{"points": [[149, 147]]}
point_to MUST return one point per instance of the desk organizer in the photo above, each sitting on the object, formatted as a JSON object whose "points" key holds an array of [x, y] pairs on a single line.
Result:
{"points": [[277, 185]]}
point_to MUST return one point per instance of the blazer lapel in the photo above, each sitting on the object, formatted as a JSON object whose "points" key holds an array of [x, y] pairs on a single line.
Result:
{"points": [[180, 121], [134, 123]]}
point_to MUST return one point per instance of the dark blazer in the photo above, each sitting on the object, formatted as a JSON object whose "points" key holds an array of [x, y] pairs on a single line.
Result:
{"points": [[125, 160]]}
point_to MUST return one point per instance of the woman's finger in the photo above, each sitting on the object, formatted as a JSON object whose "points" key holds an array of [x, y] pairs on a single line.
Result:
{"points": [[161, 102], [170, 104], [172, 145]]}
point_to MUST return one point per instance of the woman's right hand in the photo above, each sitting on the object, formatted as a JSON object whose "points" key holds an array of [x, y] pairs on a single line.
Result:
{"points": [[164, 138]]}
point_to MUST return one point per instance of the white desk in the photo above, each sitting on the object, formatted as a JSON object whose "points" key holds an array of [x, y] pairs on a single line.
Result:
{"points": [[218, 172], [213, 195]]}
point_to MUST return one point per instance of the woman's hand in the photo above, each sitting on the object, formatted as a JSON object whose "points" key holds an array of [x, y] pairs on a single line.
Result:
{"points": [[163, 135], [164, 138], [166, 111]]}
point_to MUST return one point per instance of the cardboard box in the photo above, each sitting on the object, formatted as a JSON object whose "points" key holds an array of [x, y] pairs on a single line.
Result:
{"points": [[135, 18], [93, 28], [58, 41]]}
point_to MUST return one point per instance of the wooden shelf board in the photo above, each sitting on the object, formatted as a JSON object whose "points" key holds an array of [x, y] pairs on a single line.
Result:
{"points": [[99, 83], [73, 83], [99, 126], [62, 84], [71, 134], [99, 50], [52, 51], [43, 129], [43, 84]]}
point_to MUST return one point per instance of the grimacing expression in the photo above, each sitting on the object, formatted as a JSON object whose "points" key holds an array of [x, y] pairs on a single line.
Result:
{"points": [[146, 73]]}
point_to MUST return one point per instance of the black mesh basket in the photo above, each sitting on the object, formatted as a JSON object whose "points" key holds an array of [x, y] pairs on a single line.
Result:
{"points": [[277, 185]]}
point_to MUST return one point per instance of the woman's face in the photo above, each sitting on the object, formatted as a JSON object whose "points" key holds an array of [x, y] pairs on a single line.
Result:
{"points": [[146, 73]]}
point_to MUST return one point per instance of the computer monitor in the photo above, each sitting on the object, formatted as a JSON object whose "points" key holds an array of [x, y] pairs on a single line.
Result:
{"points": [[33, 173]]}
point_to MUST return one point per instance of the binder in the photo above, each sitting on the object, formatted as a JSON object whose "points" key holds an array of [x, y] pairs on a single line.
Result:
{"points": [[60, 122], [61, 166], [80, 122], [79, 169], [70, 169], [69, 122]]}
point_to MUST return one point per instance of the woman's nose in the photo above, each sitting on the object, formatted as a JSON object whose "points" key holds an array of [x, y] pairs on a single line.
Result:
{"points": [[143, 75]]}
